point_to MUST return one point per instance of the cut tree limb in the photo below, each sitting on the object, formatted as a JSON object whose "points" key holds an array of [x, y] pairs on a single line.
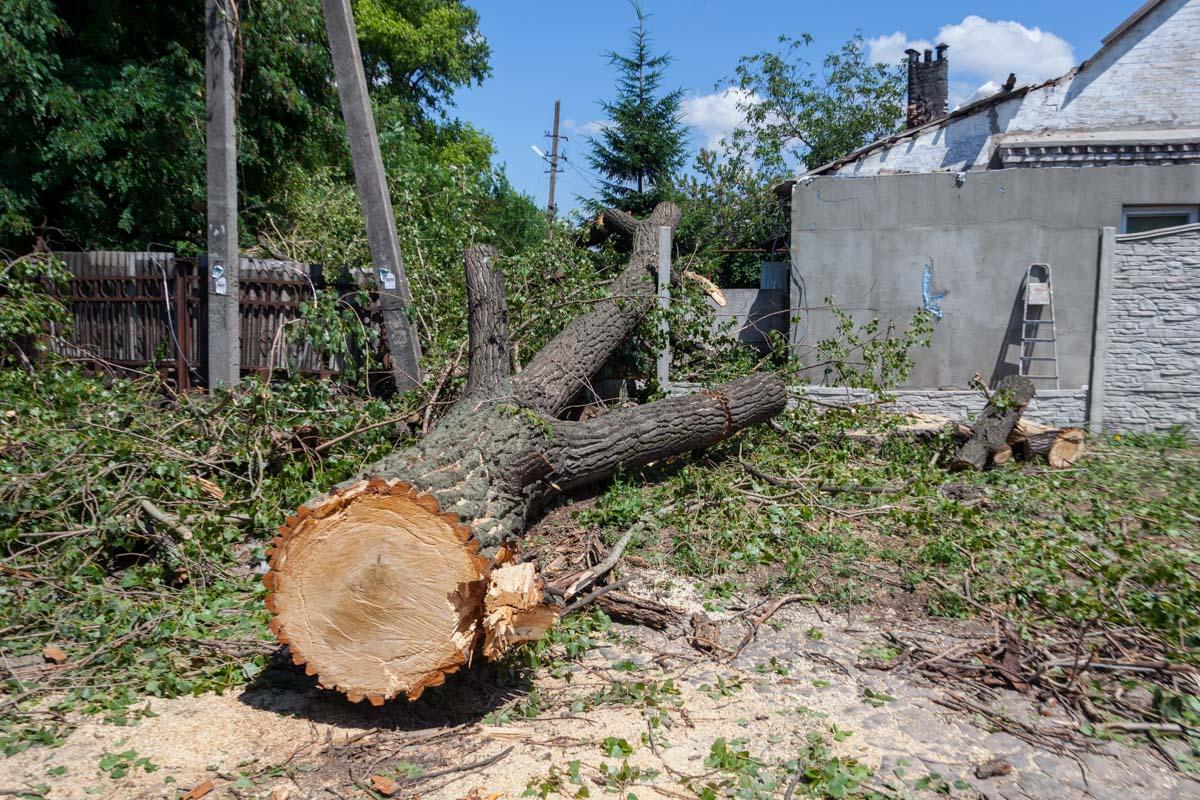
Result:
{"points": [[391, 581], [487, 322], [990, 433], [1061, 447], [570, 359]]}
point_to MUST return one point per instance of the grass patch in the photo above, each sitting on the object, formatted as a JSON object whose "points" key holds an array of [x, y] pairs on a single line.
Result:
{"points": [[142, 608], [1103, 557]]}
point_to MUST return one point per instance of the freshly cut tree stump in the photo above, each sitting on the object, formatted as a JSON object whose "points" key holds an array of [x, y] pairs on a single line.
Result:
{"points": [[395, 579], [989, 434], [348, 562]]}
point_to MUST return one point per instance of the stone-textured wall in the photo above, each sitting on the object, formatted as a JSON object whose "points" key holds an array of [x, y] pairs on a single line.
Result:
{"points": [[1148, 78], [1061, 408], [1152, 359], [1050, 406]]}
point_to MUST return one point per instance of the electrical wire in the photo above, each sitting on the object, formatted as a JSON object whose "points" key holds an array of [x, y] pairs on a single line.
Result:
{"points": [[152, 255]]}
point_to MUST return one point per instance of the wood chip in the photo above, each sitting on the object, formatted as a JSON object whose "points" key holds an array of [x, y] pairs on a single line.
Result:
{"points": [[499, 732], [54, 655], [198, 791], [993, 768], [211, 489], [384, 785]]}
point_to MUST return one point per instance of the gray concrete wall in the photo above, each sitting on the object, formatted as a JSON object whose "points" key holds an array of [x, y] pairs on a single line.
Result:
{"points": [[749, 315], [868, 241], [1147, 79], [1152, 359]]}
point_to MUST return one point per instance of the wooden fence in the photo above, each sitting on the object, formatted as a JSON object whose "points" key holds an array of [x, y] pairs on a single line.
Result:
{"points": [[147, 310]]}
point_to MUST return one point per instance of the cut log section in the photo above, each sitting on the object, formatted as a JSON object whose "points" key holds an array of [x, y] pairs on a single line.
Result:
{"points": [[395, 579], [376, 590], [1061, 447], [989, 434]]}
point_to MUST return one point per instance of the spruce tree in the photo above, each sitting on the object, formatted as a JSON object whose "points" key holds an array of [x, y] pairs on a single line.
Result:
{"points": [[642, 147]]}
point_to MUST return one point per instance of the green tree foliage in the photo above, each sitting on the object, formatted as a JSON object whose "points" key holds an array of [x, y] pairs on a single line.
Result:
{"points": [[642, 148], [732, 220], [796, 116], [102, 124], [421, 50], [793, 118]]}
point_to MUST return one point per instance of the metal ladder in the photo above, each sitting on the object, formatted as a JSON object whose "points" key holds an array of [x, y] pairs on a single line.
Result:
{"points": [[1039, 294]]}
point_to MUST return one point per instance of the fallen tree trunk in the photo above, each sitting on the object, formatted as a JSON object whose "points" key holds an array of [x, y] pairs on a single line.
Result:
{"points": [[391, 581], [990, 432], [1061, 447]]}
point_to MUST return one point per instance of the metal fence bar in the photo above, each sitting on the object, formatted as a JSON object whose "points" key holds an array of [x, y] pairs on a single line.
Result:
{"points": [[141, 310]]}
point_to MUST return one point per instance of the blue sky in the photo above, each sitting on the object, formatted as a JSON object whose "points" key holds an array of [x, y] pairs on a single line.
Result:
{"points": [[543, 51]]}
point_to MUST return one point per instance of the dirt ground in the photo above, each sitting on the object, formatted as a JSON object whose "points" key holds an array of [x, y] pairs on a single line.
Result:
{"points": [[637, 717]]}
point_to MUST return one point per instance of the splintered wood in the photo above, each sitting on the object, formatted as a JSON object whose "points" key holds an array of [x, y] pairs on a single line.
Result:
{"points": [[376, 591], [513, 609]]}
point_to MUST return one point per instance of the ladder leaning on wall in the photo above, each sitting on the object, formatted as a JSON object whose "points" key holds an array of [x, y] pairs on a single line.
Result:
{"points": [[1040, 330]]}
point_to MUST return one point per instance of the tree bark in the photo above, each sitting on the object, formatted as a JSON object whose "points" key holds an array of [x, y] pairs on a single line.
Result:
{"points": [[391, 581], [487, 323], [1061, 447], [568, 361], [990, 432]]}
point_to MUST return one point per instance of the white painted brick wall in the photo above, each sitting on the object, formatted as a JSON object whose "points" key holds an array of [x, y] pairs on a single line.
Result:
{"points": [[1148, 78], [1152, 377]]}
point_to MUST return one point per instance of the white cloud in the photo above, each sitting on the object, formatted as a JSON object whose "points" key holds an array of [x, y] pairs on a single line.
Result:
{"points": [[716, 115], [890, 49], [588, 128], [988, 49]]}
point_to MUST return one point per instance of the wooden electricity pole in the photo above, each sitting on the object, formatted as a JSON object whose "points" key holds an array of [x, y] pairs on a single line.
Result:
{"points": [[552, 210], [394, 295], [224, 325]]}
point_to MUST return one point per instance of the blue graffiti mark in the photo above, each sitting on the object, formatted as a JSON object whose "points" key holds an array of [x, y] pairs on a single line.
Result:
{"points": [[933, 302]]}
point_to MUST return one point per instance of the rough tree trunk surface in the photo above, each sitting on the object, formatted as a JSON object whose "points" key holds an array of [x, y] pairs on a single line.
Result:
{"points": [[392, 581], [990, 433]]}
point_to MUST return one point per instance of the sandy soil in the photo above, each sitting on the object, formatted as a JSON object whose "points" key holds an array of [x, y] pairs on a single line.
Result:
{"points": [[801, 677]]}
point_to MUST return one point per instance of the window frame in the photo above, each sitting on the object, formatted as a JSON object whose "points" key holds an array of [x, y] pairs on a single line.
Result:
{"points": [[1192, 212]]}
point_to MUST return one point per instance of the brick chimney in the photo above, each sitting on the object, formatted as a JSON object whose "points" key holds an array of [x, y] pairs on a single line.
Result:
{"points": [[928, 86]]}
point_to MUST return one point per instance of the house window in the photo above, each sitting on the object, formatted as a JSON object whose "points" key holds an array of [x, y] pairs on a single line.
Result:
{"points": [[1139, 219]]}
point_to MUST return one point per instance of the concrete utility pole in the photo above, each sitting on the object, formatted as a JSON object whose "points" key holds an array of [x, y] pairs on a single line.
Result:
{"points": [[394, 295], [552, 210], [662, 367], [224, 324]]}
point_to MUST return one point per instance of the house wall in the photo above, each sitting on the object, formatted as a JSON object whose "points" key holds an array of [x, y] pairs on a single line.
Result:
{"points": [[1152, 354], [749, 315], [867, 242], [1147, 78]]}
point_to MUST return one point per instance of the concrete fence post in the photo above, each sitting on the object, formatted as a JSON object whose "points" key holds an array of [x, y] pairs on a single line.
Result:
{"points": [[663, 365], [394, 294], [224, 325], [1104, 277]]}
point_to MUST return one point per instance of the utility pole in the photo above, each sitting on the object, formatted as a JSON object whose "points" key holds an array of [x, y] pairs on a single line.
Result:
{"points": [[394, 295], [221, 265], [552, 210]]}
